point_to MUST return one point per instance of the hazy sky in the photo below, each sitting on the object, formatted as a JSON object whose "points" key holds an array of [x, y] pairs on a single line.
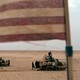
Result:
{"points": [[74, 6]]}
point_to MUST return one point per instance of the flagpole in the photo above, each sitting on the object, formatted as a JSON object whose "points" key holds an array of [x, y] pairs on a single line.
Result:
{"points": [[69, 50]]}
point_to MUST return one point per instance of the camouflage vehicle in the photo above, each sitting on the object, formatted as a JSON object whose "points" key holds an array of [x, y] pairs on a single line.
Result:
{"points": [[4, 62], [47, 65]]}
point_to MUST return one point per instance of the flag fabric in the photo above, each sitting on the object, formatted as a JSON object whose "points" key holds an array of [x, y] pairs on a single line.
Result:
{"points": [[28, 20]]}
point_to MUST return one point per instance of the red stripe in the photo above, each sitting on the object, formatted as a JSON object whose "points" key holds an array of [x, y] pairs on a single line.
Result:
{"points": [[32, 21], [32, 4], [30, 37]]}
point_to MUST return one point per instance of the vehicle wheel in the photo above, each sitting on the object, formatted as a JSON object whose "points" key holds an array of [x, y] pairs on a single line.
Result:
{"points": [[32, 65], [8, 62], [47, 69]]}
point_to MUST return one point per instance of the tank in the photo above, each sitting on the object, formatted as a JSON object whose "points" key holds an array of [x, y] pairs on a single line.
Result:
{"points": [[4, 62], [46, 65]]}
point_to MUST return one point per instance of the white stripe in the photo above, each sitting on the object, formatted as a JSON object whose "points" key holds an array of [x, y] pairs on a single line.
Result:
{"points": [[29, 29], [32, 13], [2, 2]]}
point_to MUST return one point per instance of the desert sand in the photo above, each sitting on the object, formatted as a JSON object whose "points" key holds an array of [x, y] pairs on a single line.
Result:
{"points": [[20, 68]]}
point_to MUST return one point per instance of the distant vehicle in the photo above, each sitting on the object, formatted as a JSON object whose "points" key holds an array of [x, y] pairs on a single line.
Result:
{"points": [[56, 65], [4, 62]]}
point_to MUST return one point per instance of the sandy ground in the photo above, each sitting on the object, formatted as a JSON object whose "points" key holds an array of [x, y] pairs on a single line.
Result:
{"points": [[20, 68]]}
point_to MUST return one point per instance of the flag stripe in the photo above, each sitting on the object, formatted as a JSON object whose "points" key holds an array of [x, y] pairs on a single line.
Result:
{"points": [[41, 12], [29, 37], [12, 1], [32, 21], [32, 4], [32, 29]]}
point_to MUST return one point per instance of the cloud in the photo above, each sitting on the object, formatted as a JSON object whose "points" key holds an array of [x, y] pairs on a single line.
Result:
{"points": [[72, 3]]}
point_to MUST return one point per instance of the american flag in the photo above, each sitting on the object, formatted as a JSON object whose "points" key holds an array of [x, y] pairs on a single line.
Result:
{"points": [[29, 20]]}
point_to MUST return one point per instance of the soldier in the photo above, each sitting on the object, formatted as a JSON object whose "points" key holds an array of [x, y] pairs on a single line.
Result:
{"points": [[47, 60], [50, 58]]}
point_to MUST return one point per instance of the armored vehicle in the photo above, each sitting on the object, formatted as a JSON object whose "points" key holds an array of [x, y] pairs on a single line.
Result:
{"points": [[4, 62], [46, 65]]}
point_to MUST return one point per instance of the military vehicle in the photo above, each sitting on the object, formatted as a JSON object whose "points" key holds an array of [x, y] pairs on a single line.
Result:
{"points": [[4, 62], [46, 65]]}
